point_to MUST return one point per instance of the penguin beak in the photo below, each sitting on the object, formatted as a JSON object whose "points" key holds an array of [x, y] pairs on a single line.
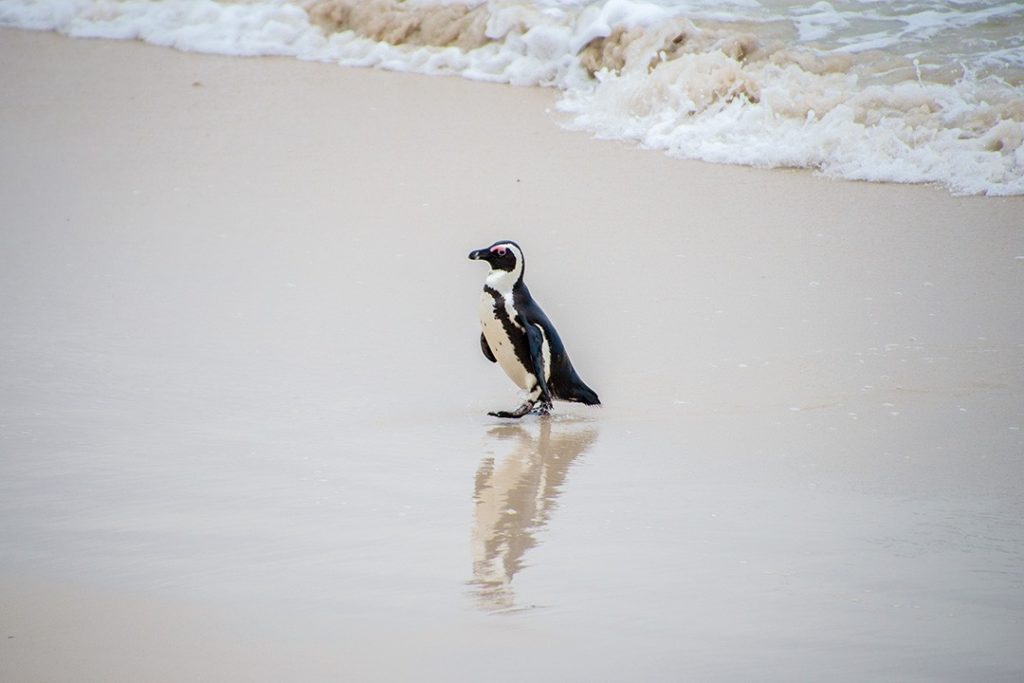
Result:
{"points": [[478, 254]]}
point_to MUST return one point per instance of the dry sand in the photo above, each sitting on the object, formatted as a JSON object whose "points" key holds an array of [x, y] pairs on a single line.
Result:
{"points": [[242, 402]]}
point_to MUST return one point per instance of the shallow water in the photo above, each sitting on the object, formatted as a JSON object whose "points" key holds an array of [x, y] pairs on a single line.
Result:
{"points": [[981, 36], [631, 547]]}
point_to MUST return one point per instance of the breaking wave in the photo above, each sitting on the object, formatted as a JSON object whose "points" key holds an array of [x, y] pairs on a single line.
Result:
{"points": [[728, 81]]}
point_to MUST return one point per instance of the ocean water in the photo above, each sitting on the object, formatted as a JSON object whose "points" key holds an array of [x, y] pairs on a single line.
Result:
{"points": [[914, 91]]}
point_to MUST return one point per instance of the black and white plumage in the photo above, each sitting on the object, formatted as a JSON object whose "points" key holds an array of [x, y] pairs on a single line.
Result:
{"points": [[519, 337]]}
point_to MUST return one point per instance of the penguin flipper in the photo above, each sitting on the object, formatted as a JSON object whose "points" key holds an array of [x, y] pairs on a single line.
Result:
{"points": [[488, 354], [536, 341]]}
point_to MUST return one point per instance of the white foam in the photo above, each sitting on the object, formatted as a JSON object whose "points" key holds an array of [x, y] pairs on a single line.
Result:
{"points": [[701, 108], [598, 20], [660, 80], [261, 28], [818, 21]]}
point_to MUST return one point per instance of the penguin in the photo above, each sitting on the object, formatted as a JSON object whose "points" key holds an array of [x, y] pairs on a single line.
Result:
{"points": [[519, 337]]}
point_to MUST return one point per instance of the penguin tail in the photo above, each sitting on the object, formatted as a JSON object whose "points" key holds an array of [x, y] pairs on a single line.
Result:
{"points": [[578, 392], [566, 385], [587, 396]]}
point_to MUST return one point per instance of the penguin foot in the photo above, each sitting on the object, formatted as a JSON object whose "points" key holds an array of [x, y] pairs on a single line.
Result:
{"points": [[515, 414], [542, 407], [504, 413]]}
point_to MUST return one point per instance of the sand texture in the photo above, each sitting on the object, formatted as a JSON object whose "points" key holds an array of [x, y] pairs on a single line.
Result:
{"points": [[243, 430]]}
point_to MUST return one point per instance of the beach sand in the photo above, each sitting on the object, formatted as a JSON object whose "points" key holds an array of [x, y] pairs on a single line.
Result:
{"points": [[243, 406]]}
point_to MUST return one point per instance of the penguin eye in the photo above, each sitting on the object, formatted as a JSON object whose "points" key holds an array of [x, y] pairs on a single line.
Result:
{"points": [[500, 251]]}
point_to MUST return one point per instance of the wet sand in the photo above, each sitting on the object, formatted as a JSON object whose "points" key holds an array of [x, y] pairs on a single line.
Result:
{"points": [[243, 405]]}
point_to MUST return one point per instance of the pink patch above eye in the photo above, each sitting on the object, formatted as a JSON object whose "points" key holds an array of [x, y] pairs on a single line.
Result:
{"points": [[499, 250]]}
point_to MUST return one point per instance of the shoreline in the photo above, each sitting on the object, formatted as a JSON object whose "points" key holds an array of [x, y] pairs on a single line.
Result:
{"points": [[718, 92]]}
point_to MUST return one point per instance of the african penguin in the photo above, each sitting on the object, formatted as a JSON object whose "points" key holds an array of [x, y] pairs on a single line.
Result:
{"points": [[520, 338]]}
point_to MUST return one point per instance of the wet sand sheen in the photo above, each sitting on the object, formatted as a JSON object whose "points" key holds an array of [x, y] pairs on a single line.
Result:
{"points": [[243, 401]]}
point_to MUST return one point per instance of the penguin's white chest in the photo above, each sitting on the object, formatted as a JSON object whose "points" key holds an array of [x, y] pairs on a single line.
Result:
{"points": [[498, 338]]}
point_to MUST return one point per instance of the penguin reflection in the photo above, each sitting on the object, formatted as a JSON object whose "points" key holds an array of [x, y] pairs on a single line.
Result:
{"points": [[514, 498]]}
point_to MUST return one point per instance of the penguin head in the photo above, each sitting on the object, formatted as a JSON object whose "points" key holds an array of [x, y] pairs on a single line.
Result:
{"points": [[503, 255]]}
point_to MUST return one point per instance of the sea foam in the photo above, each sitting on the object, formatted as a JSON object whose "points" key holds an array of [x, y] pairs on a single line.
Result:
{"points": [[672, 77]]}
